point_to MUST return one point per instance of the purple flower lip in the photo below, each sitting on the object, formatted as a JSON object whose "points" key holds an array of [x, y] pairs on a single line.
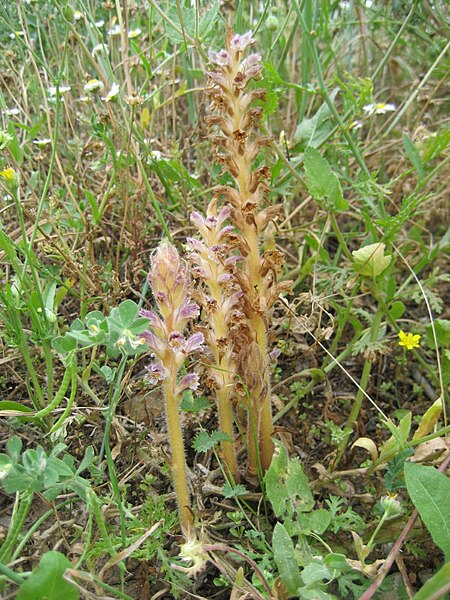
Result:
{"points": [[156, 373], [188, 310], [176, 341], [189, 382], [194, 343], [155, 321], [153, 341], [240, 42], [221, 58]]}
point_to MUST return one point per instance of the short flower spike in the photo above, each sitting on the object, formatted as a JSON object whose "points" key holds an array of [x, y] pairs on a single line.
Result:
{"points": [[409, 340]]}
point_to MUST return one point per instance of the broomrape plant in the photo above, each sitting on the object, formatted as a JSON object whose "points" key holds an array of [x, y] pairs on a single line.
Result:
{"points": [[254, 272], [237, 283]]}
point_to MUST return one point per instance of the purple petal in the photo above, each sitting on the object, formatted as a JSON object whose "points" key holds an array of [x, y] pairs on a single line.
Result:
{"points": [[194, 343], [153, 341], [156, 373], [189, 382], [176, 341], [188, 311], [155, 321]]}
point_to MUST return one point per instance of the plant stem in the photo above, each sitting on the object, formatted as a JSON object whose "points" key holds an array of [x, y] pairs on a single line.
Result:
{"points": [[178, 455], [356, 408]]}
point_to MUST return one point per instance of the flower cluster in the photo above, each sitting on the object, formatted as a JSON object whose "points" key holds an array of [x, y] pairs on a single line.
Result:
{"points": [[170, 283], [252, 272]]}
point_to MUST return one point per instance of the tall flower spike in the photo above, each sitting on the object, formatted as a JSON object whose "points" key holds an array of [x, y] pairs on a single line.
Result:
{"points": [[238, 144], [170, 283], [209, 257]]}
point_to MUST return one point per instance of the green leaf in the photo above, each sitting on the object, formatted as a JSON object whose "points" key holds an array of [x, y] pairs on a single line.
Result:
{"points": [[14, 406], [322, 183], [47, 581], [437, 586], [371, 260], [412, 153], [194, 404], [315, 572], [230, 491], [429, 420], [312, 132], [128, 312], [430, 490], [285, 559], [14, 447], [442, 329], [204, 442], [397, 310], [287, 485]]}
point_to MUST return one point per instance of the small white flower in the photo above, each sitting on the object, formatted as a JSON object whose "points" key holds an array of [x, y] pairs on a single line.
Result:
{"points": [[16, 34], [115, 31], [115, 89], [11, 112], [84, 99], [379, 109], [93, 85], [99, 23], [43, 142], [99, 49], [62, 89], [77, 15], [134, 33], [156, 155]]}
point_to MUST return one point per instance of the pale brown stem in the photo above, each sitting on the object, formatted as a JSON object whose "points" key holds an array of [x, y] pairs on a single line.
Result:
{"points": [[178, 456]]}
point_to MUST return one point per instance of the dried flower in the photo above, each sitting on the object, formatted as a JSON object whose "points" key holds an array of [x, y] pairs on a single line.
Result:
{"points": [[409, 340]]}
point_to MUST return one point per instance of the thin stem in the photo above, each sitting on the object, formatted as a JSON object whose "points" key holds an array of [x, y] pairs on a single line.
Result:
{"points": [[357, 404], [178, 455]]}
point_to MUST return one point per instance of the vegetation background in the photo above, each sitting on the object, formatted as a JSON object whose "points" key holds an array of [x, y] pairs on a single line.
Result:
{"points": [[105, 151]]}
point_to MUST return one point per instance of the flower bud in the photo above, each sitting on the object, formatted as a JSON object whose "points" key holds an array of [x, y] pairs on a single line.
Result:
{"points": [[272, 23], [10, 179]]}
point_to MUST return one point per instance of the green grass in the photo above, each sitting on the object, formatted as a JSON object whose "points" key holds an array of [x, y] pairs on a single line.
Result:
{"points": [[356, 104]]}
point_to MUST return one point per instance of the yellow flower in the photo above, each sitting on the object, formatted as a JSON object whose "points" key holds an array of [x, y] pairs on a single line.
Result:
{"points": [[10, 178], [409, 340]]}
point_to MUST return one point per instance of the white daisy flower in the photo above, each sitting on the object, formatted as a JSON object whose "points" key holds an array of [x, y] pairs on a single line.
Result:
{"points": [[100, 49], [115, 31], [379, 109], [42, 143], [134, 33], [62, 90], [93, 85], [11, 112], [115, 89]]}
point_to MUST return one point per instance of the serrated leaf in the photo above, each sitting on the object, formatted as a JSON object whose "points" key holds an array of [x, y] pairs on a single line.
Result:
{"points": [[204, 442], [412, 153], [230, 491], [47, 581], [285, 559], [322, 183], [194, 404], [429, 491]]}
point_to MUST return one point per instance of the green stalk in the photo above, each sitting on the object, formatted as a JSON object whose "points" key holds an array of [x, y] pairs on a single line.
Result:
{"points": [[356, 408], [20, 513]]}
